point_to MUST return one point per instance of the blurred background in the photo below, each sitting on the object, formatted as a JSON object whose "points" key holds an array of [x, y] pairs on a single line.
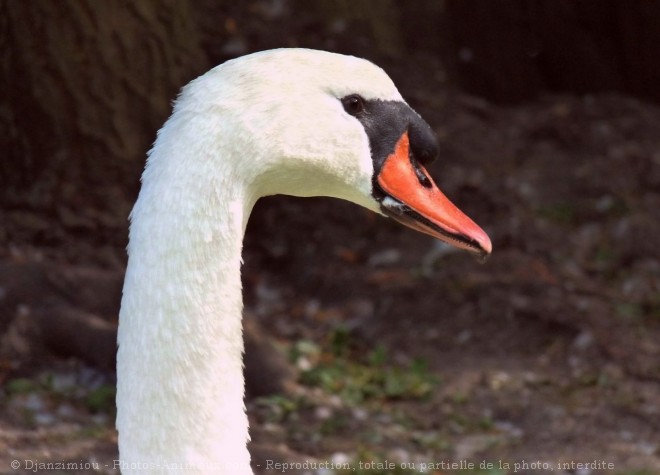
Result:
{"points": [[365, 341]]}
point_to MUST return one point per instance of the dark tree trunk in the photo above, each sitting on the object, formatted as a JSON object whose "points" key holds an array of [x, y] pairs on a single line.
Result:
{"points": [[87, 84], [511, 50]]}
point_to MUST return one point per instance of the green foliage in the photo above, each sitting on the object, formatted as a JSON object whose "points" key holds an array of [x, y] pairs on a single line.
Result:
{"points": [[334, 425], [359, 379], [431, 440], [279, 407], [20, 386], [560, 213], [339, 342], [101, 399]]}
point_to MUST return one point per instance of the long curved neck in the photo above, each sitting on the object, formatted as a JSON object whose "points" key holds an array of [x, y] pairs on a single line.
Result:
{"points": [[179, 363]]}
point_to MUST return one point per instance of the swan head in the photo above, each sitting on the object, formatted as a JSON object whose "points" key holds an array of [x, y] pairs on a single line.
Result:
{"points": [[312, 123]]}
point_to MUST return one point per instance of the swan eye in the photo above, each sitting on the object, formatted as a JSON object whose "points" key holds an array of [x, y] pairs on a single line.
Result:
{"points": [[353, 104]]}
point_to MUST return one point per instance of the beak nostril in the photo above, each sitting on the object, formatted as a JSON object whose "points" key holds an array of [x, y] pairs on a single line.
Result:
{"points": [[417, 165], [423, 178]]}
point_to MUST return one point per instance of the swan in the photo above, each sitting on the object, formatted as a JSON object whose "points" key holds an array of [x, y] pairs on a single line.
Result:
{"points": [[288, 121]]}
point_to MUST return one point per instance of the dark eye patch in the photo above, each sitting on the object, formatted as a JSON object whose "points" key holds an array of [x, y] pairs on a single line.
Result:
{"points": [[385, 122]]}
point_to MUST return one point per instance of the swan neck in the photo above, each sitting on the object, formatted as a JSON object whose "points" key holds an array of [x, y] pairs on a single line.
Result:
{"points": [[179, 364]]}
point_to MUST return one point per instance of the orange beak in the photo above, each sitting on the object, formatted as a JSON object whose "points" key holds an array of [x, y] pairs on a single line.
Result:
{"points": [[414, 199]]}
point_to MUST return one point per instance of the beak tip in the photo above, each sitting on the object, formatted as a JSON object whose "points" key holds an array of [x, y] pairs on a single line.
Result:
{"points": [[485, 246], [479, 237]]}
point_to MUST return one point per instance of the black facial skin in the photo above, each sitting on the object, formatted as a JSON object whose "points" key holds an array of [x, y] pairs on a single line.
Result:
{"points": [[385, 122]]}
